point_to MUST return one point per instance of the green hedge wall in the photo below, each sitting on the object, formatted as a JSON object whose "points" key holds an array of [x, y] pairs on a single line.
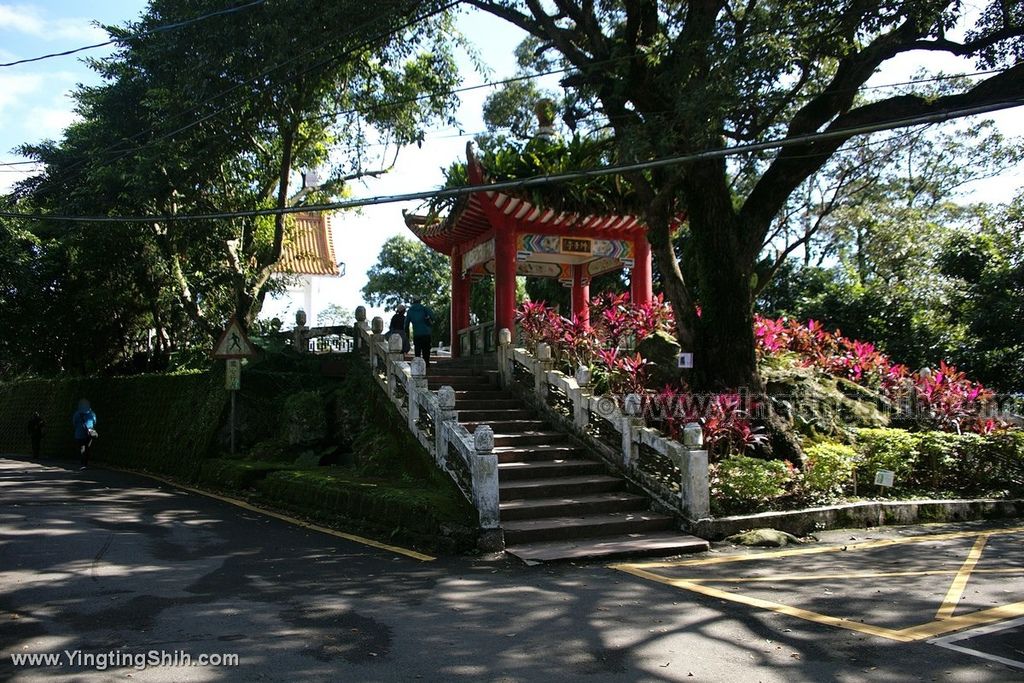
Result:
{"points": [[160, 423]]}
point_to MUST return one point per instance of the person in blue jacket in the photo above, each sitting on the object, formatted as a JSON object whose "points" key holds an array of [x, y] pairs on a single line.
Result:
{"points": [[422, 320], [84, 421]]}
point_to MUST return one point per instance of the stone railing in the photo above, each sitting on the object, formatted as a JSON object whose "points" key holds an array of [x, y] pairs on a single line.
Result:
{"points": [[469, 459], [674, 475], [477, 339]]}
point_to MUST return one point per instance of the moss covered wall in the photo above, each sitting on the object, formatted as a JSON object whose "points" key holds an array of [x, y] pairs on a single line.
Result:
{"points": [[161, 423]]}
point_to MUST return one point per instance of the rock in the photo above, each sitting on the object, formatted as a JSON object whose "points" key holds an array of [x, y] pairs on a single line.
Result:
{"points": [[765, 538], [661, 350]]}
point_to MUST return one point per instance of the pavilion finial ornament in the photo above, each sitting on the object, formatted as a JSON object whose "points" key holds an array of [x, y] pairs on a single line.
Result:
{"points": [[545, 111]]}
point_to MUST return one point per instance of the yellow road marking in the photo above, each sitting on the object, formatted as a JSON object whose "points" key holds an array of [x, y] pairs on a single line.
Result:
{"points": [[285, 518], [958, 623], [944, 623], [851, 575], [956, 589], [773, 606], [813, 551]]}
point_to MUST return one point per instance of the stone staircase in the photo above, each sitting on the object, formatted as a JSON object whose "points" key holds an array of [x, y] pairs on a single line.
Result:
{"points": [[558, 501]]}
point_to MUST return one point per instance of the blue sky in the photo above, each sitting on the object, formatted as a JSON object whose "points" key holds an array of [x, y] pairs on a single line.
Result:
{"points": [[34, 106]]}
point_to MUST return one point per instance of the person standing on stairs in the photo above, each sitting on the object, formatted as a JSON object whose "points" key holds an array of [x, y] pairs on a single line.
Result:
{"points": [[400, 327], [422, 319]]}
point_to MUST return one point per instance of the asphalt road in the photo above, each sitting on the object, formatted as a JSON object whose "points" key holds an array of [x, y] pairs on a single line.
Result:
{"points": [[101, 561]]}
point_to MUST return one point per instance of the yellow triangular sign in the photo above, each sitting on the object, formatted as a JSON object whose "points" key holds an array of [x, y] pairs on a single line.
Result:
{"points": [[233, 343]]}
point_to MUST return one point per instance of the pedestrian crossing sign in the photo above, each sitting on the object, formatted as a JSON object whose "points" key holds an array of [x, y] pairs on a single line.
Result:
{"points": [[234, 343]]}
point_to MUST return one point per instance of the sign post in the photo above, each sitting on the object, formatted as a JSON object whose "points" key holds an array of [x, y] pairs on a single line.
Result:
{"points": [[232, 347]]}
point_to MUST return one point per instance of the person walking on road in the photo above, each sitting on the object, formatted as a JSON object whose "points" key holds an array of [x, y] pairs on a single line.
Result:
{"points": [[400, 327], [84, 421], [422, 320], [35, 430]]}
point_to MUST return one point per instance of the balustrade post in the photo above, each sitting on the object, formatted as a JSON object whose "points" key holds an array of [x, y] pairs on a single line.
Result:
{"points": [[484, 471], [377, 328], [632, 422], [361, 326], [445, 414], [417, 387], [505, 354], [694, 484], [541, 365], [581, 399]]}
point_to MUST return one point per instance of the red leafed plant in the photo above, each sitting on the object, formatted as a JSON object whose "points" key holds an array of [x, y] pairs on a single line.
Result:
{"points": [[951, 400], [725, 421]]}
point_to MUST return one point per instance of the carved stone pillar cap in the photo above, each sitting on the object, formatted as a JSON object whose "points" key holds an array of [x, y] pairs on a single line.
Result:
{"points": [[395, 344], [543, 351], [504, 336], [483, 439], [446, 398], [360, 313], [693, 436], [377, 324], [632, 405], [419, 367], [583, 376]]}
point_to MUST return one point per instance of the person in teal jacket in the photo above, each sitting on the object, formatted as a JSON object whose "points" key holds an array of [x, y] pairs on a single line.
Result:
{"points": [[422, 320], [84, 421]]}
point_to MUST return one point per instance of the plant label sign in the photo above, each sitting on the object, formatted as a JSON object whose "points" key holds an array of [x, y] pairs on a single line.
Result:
{"points": [[233, 375], [884, 478], [684, 361]]}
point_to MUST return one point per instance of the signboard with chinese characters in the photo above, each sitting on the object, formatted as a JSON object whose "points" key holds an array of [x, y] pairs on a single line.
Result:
{"points": [[233, 375]]}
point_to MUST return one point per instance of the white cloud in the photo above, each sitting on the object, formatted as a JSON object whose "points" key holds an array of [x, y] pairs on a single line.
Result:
{"points": [[28, 20], [14, 87], [49, 122]]}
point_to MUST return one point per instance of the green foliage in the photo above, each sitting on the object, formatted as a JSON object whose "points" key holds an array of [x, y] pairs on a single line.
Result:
{"points": [[512, 160], [304, 417], [406, 269], [886, 449], [828, 468], [160, 423], [743, 484]]}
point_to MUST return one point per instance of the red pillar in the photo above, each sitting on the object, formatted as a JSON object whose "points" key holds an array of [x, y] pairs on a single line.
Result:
{"points": [[580, 295], [640, 284], [504, 277], [460, 302]]}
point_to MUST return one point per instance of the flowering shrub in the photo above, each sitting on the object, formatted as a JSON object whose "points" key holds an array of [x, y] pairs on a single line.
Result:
{"points": [[946, 397], [724, 419]]}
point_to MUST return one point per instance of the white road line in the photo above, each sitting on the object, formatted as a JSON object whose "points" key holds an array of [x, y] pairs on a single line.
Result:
{"points": [[948, 641]]}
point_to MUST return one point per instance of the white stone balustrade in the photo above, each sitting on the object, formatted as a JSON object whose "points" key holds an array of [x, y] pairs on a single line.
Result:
{"points": [[475, 456], [692, 500]]}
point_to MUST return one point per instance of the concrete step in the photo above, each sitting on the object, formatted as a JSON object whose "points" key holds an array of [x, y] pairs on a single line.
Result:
{"points": [[535, 508], [460, 383], [536, 437], [487, 416], [656, 544], [557, 486], [506, 427], [545, 469], [538, 452], [484, 393], [506, 402], [523, 531]]}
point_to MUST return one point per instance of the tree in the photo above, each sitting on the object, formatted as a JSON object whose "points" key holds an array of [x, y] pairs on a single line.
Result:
{"points": [[407, 270], [278, 88], [334, 314], [678, 77]]}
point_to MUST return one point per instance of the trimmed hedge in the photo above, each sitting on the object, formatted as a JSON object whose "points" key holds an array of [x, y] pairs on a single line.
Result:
{"points": [[160, 423], [943, 463]]}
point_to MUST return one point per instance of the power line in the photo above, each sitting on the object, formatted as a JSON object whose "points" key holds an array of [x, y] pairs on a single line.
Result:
{"points": [[537, 181], [127, 152], [156, 29]]}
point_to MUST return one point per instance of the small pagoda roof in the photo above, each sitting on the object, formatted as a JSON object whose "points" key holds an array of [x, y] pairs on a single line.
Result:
{"points": [[471, 217], [309, 247]]}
